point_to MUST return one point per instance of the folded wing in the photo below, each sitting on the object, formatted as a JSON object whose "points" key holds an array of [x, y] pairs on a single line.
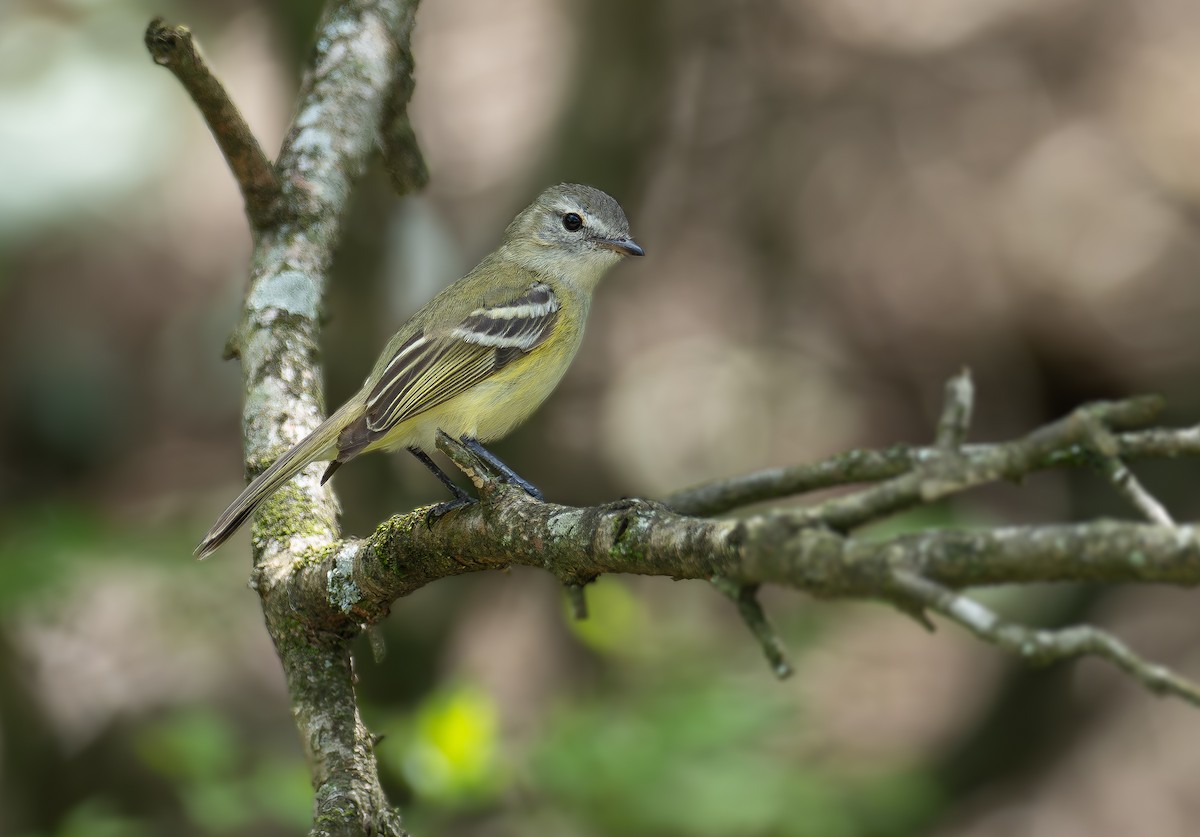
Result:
{"points": [[430, 369]]}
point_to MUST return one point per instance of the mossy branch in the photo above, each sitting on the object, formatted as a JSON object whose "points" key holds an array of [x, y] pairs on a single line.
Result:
{"points": [[296, 209]]}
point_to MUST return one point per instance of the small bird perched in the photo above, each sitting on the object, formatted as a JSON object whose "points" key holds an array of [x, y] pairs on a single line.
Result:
{"points": [[478, 359]]}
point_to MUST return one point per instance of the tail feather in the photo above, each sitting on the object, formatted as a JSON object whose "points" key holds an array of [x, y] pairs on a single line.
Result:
{"points": [[320, 444]]}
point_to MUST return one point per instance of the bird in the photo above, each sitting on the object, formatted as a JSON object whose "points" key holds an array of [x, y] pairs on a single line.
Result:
{"points": [[477, 360]]}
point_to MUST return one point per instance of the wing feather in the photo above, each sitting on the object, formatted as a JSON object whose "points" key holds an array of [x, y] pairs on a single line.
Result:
{"points": [[430, 369]]}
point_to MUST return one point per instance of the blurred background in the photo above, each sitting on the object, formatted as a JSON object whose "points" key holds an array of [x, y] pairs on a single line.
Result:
{"points": [[843, 203]]}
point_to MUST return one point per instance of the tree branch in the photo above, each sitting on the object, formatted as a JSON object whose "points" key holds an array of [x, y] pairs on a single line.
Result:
{"points": [[317, 591], [951, 475], [173, 48], [359, 579], [1043, 647], [338, 119], [362, 578], [865, 465], [352, 74]]}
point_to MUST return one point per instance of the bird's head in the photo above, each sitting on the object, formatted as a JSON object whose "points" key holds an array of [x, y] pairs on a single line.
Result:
{"points": [[573, 232]]}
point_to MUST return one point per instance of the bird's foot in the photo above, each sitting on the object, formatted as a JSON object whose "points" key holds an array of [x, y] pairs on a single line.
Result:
{"points": [[525, 485], [439, 511], [502, 470]]}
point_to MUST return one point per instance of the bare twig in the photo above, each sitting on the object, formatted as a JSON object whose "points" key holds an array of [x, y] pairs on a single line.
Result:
{"points": [[1061, 443], [1159, 442], [1129, 485], [174, 48], [933, 482], [1043, 647], [1106, 447], [864, 465], [745, 597], [849, 468], [957, 405]]}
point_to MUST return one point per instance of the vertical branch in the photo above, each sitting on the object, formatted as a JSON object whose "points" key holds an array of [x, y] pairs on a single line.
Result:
{"points": [[343, 101], [296, 209]]}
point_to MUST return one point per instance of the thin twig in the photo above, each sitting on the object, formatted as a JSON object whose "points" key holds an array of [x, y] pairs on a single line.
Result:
{"points": [[955, 420], [745, 597], [862, 465], [1105, 446], [954, 475], [1159, 442], [174, 48], [866, 465], [476, 470], [1129, 486], [1043, 647]]}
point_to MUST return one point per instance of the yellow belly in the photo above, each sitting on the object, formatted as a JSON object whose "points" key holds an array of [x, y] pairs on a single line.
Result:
{"points": [[495, 406]]}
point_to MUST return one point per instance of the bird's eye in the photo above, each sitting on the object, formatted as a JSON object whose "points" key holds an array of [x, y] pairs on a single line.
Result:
{"points": [[572, 222]]}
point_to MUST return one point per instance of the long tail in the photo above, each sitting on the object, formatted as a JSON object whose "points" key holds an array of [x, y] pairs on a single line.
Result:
{"points": [[320, 444]]}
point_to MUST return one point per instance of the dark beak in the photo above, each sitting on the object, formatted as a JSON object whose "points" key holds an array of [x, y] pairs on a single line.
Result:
{"points": [[624, 246]]}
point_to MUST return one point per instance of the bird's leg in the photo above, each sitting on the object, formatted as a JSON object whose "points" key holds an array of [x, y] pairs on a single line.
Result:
{"points": [[506, 473], [445, 480], [461, 498]]}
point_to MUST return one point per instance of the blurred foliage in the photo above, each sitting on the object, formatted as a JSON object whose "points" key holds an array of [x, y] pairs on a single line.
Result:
{"points": [[686, 757], [200, 753], [447, 751], [93, 819], [218, 781], [40, 547], [616, 622], [703, 758]]}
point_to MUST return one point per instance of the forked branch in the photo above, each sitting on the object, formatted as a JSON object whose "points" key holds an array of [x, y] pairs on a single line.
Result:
{"points": [[318, 591]]}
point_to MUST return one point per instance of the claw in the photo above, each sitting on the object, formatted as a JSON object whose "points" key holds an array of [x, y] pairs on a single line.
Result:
{"points": [[504, 471], [442, 509]]}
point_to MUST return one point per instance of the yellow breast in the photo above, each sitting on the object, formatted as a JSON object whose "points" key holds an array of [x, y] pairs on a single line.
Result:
{"points": [[496, 405]]}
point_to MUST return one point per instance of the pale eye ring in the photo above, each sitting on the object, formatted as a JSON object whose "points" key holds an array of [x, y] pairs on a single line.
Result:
{"points": [[572, 222]]}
